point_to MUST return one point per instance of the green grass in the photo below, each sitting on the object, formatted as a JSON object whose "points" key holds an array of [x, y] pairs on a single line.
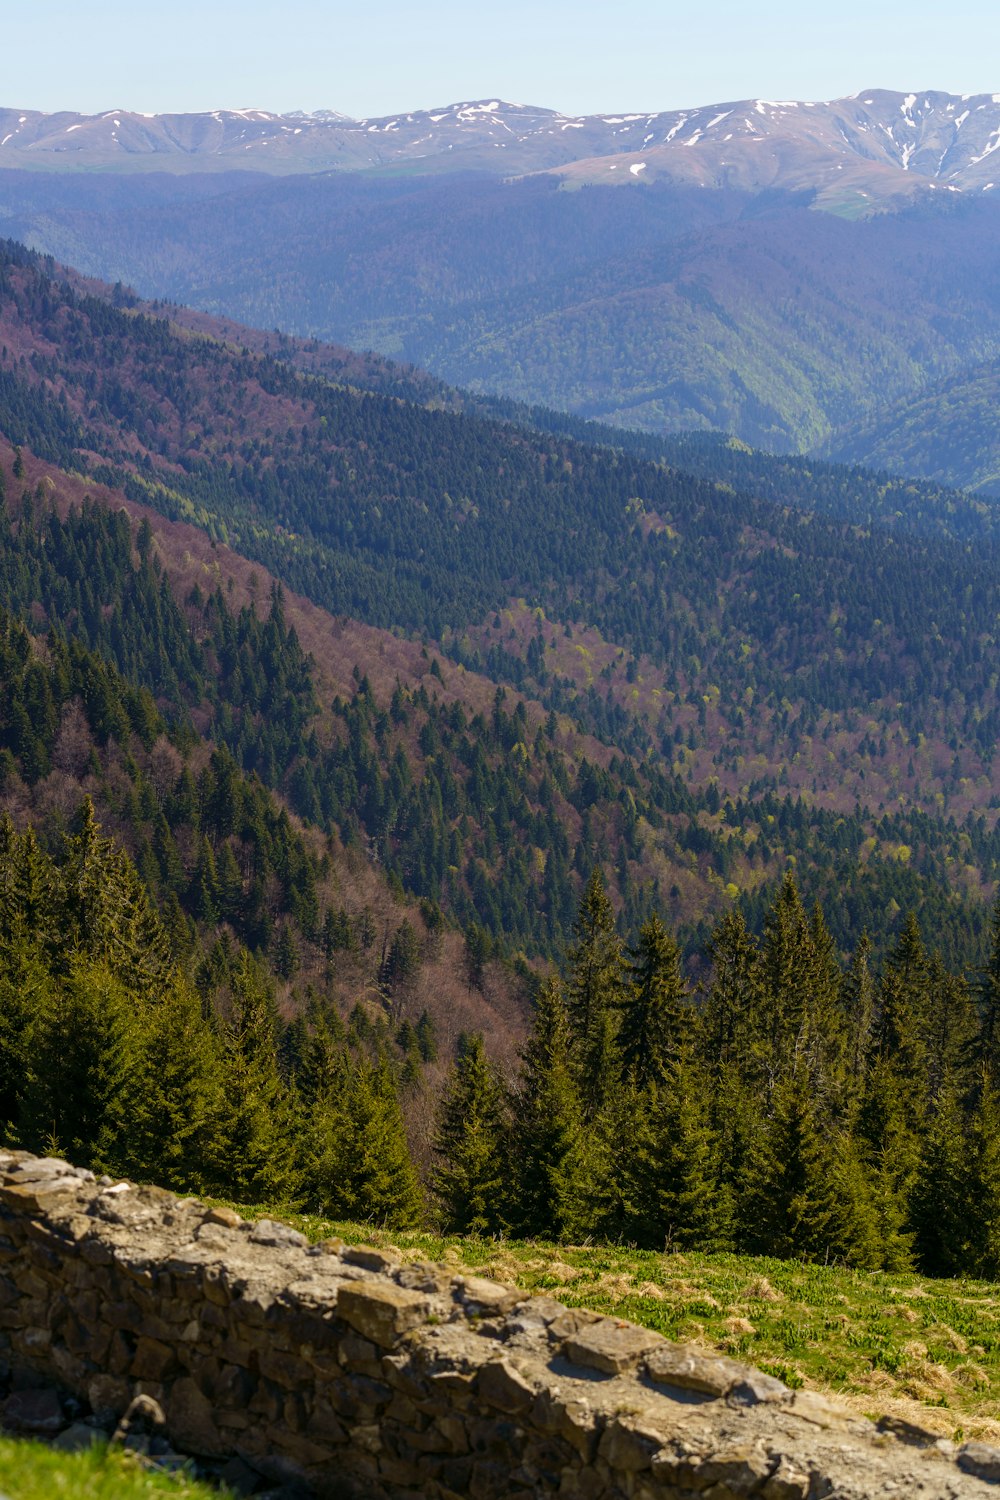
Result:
{"points": [[30, 1471], [887, 1342]]}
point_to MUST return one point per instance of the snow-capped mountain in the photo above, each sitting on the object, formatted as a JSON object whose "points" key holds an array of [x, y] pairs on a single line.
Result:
{"points": [[873, 144]]}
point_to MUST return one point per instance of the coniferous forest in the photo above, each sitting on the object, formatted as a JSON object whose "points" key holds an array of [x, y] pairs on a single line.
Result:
{"points": [[418, 810]]}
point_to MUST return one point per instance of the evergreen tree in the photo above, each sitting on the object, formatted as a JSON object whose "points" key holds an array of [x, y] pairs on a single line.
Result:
{"points": [[595, 994], [687, 1204], [547, 1124], [172, 1102], [107, 913], [809, 1196], [472, 1176], [982, 1185], [255, 1149], [83, 1051], [655, 1011], [942, 1214], [904, 1007], [989, 1030], [886, 1139], [858, 1000], [361, 1167]]}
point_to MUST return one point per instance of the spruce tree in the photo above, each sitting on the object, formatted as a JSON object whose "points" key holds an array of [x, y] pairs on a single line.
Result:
{"points": [[858, 998], [172, 1094], [982, 1196], [686, 1202], [255, 1148], [547, 1124], [904, 1006], [655, 1012], [361, 1166], [83, 1052], [942, 1215], [107, 913], [989, 1030], [886, 1141], [595, 993], [809, 1196], [472, 1176]]}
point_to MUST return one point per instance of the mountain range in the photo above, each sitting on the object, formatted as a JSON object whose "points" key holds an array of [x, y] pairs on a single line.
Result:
{"points": [[869, 147], [807, 277]]}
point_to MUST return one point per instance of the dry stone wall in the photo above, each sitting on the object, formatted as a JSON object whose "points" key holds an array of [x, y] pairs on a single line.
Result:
{"points": [[357, 1375]]}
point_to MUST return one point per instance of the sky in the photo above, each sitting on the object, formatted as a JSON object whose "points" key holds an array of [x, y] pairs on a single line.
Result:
{"points": [[376, 57]]}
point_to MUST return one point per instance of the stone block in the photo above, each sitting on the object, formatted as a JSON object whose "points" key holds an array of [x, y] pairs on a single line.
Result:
{"points": [[282, 1236], [479, 1295], [788, 1482], [38, 1413], [821, 1412], [690, 1369], [610, 1346], [228, 1218], [383, 1262], [108, 1395], [736, 1471], [503, 1386], [284, 1369], [78, 1438], [153, 1360], [980, 1460], [324, 1426], [361, 1355], [628, 1445], [382, 1311], [756, 1389], [190, 1421]]}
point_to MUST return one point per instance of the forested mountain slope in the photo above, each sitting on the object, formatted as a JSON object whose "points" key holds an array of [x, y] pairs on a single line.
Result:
{"points": [[946, 433], [661, 305], [699, 682], [629, 720]]}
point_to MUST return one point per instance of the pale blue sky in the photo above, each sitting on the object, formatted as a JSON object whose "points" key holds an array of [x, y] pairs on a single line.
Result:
{"points": [[380, 56]]}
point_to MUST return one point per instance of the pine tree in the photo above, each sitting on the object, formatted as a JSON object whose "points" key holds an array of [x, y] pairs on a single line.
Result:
{"points": [[886, 1141], [472, 1176], [801, 1021], [989, 1032], [734, 1001], [952, 1031], [982, 1198], [107, 913], [904, 1006], [858, 1002]]}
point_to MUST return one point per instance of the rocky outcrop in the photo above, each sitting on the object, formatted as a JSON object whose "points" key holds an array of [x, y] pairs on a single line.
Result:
{"points": [[357, 1375]]}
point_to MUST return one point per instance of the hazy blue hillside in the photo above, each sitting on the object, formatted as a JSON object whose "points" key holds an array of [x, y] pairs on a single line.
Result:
{"points": [[948, 433], [666, 308]]}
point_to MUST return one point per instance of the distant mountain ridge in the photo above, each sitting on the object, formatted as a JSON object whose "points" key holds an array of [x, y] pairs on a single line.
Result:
{"points": [[893, 142]]}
